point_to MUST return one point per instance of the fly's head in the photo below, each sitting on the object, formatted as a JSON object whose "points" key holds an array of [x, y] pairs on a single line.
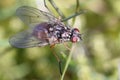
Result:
{"points": [[75, 35]]}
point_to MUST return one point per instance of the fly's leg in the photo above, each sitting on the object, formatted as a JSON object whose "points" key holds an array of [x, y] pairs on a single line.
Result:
{"points": [[51, 46], [66, 46], [58, 59]]}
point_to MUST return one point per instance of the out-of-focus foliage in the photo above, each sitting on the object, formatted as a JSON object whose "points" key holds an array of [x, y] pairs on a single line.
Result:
{"points": [[96, 58]]}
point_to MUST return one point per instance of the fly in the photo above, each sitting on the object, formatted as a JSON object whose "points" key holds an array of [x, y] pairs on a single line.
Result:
{"points": [[44, 29]]}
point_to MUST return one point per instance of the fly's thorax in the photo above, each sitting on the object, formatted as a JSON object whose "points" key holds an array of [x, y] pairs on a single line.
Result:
{"points": [[61, 32], [66, 36], [63, 35]]}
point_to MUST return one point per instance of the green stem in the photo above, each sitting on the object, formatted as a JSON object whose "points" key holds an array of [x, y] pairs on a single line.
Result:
{"points": [[67, 63], [57, 9], [74, 15]]}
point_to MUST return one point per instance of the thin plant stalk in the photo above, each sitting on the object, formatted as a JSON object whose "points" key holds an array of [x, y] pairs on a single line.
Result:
{"points": [[76, 11], [72, 16], [67, 63], [57, 9]]}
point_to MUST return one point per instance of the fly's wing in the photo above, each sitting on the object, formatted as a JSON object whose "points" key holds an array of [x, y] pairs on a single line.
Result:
{"points": [[25, 39], [32, 16]]}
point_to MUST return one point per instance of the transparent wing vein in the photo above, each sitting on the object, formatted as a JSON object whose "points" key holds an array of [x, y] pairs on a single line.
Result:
{"points": [[25, 40], [30, 15]]}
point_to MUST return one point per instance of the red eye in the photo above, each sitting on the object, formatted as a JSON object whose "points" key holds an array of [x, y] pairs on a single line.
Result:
{"points": [[75, 29], [74, 39]]}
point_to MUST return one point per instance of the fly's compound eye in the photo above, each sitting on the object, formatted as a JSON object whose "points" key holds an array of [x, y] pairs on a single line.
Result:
{"points": [[76, 30], [74, 39]]}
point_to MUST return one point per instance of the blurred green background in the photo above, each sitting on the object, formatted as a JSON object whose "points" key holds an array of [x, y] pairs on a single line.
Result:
{"points": [[96, 58]]}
